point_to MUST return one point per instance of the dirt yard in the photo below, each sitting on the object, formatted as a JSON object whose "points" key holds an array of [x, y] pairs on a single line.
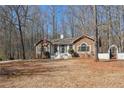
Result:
{"points": [[74, 73]]}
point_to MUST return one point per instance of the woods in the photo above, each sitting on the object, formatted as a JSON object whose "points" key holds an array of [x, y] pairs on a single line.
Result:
{"points": [[22, 26]]}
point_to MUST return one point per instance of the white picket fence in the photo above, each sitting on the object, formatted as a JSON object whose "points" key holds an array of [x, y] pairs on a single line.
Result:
{"points": [[103, 55], [120, 56]]}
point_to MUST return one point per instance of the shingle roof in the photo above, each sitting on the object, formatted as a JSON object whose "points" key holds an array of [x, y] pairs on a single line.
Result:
{"points": [[69, 40], [83, 36], [42, 41], [65, 40]]}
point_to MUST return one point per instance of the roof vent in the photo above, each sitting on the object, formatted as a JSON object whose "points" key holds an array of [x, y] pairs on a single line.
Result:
{"points": [[61, 36]]}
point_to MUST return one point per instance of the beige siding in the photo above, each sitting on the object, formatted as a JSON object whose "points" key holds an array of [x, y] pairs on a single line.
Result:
{"points": [[89, 42]]}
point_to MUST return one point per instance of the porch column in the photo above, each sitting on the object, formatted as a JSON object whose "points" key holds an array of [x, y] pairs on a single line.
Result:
{"points": [[67, 48], [36, 52], [74, 48], [50, 48], [58, 49]]}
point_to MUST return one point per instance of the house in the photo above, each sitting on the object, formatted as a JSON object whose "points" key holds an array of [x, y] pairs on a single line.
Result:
{"points": [[84, 45]]}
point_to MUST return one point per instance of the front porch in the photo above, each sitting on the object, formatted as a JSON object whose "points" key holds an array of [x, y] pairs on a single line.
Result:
{"points": [[61, 51]]}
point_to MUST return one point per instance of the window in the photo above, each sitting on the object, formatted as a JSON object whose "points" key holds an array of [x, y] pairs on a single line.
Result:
{"points": [[55, 49], [83, 47], [62, 49]]}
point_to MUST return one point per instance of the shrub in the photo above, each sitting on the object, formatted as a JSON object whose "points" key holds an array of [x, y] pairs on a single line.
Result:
{"points": [[75, 54], [1, 59], [11, 58], [70, 51], [47, 54]]}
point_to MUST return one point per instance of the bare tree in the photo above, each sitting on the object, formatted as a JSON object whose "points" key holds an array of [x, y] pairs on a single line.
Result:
{"points": [[96, 34]]}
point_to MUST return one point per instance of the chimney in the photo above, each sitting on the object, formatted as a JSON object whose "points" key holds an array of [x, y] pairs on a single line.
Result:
{"points": [[61, 36], [85, 33]]}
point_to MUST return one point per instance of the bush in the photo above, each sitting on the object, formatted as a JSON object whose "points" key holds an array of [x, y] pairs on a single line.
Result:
{"points": [[75, 54], [70, 51], [11, 58], [1, 59], [47, 54]]}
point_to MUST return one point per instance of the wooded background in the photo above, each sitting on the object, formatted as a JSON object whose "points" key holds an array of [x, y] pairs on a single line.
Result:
{"points": [[22, 26]]}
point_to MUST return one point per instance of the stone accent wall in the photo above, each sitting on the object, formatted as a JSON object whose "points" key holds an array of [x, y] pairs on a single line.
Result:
{"points": [[91, 45]]}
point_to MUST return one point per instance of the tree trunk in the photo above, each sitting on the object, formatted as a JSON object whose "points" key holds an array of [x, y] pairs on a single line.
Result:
{"points": [[21, 36], [96, 35]]}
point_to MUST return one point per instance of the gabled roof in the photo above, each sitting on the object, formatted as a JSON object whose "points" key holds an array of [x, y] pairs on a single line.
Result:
{"points": [[83, 36], [65, 41], [69, 40], [41, 42]]}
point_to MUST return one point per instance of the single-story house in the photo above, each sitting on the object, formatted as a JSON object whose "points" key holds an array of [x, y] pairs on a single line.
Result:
{"points": [[84, 45]]}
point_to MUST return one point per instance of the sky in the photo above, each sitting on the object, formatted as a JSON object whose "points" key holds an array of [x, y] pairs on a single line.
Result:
{"points": [[59, 12]]}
